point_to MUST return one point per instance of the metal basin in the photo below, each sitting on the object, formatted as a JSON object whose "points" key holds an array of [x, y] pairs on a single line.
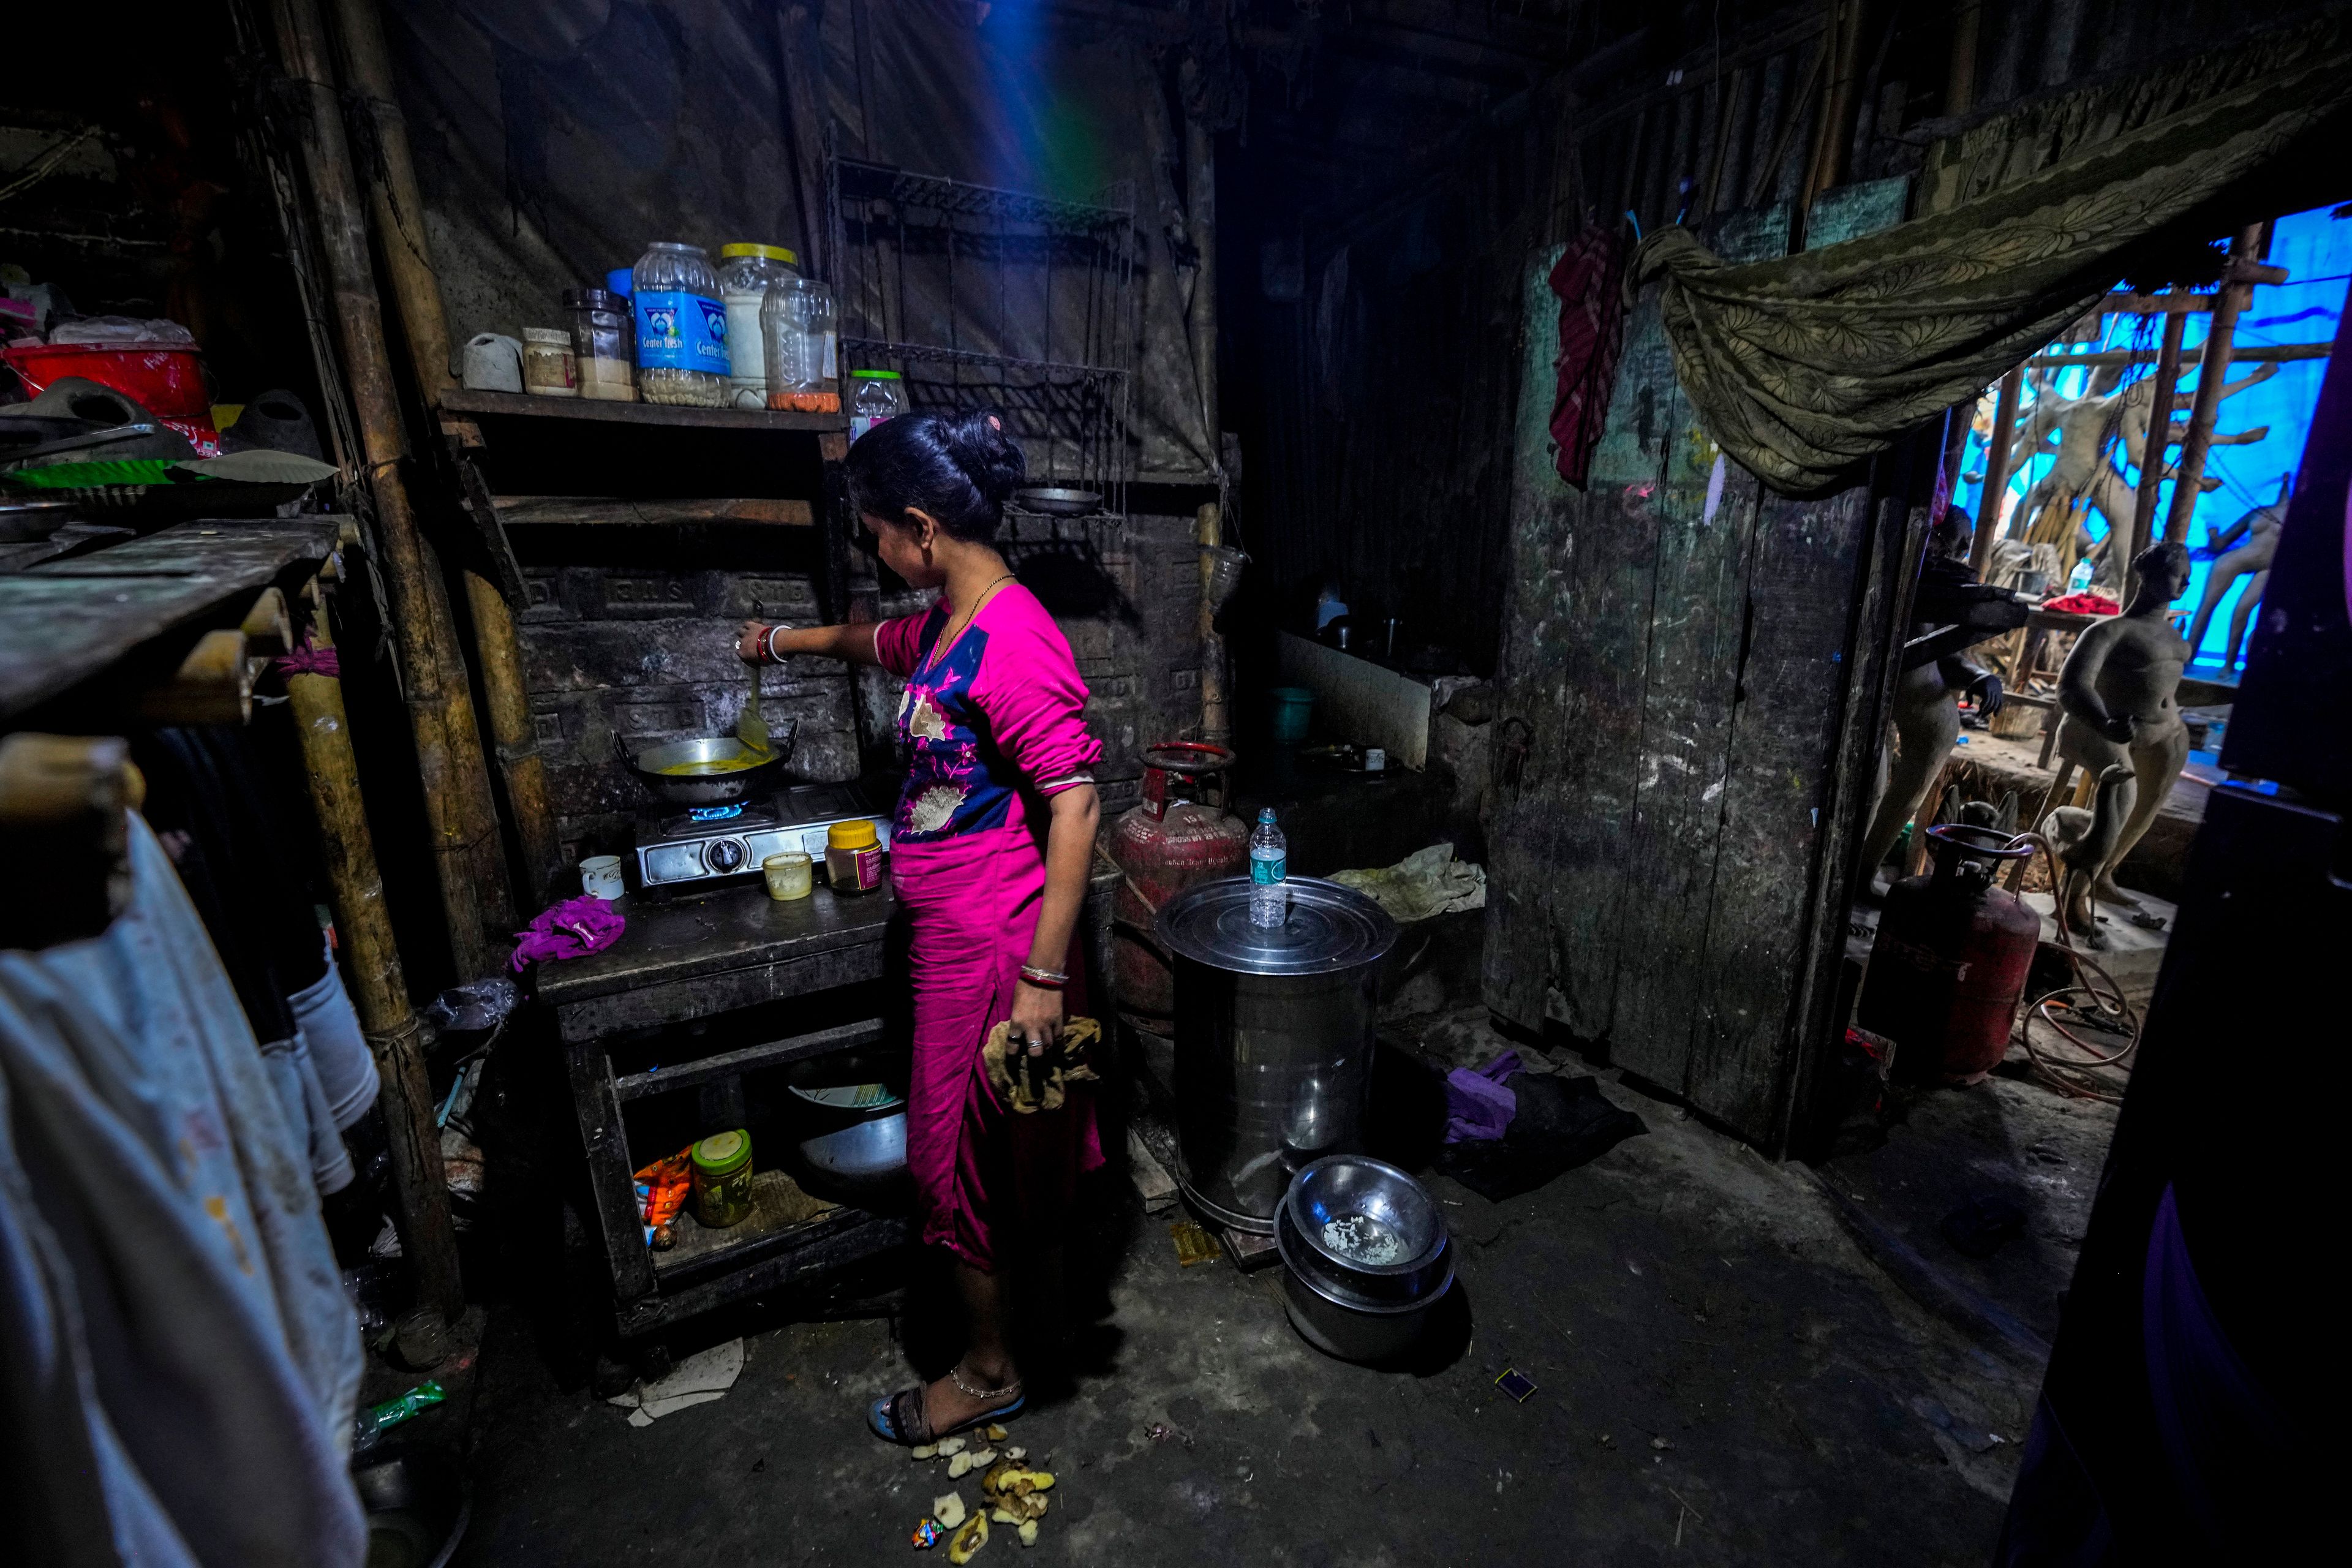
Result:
{"points": [[1350, 1334], [1365, 1235], [417, 1504], [865, 1158], [710, 789]]}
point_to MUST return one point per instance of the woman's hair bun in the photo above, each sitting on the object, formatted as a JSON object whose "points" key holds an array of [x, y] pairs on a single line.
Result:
{"points": [[959, 467], [985, 452]]}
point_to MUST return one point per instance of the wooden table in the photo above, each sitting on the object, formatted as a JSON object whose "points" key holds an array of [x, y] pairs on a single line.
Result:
{"points": [[682, 961]]}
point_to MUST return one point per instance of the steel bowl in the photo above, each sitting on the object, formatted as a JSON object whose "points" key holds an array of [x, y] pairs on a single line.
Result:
{"points": [[1397, 1229], [708, 789], [867, 1157], [1057, 501], [418, 1501], [1379, 1292], [1349, 1333]]}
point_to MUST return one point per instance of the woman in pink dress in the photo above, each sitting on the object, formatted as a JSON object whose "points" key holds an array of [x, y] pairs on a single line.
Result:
{"points": [[988, 852]]}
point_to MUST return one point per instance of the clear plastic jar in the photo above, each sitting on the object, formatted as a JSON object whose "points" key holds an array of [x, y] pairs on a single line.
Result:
{"points": [[804, 367], [745, 271], [852, 856], [600, 344], [681, 327], [876, 396], [548, 367]]}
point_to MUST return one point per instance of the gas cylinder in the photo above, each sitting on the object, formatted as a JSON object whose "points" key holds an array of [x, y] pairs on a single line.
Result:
{"points": [[1180, 834], [1950, 960]]}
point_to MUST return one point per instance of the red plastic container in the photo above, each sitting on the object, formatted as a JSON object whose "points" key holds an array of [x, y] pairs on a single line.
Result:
{"points": [[167, 379]]}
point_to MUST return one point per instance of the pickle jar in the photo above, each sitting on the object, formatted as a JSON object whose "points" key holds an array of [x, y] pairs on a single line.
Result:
{"points": [[722, 1179], [852, 856]]}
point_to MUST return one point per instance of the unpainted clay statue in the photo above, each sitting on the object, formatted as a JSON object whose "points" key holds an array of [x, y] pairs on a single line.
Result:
{"points": [[2116, 693], [2084, 838], [1926, 716], [2246, 547]]}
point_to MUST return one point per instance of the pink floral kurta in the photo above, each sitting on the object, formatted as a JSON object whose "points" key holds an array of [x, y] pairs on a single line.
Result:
{"points": [[990, 726]]}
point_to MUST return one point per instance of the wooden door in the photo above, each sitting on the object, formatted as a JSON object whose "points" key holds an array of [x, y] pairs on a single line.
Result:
{"points": [[1678, 652]]}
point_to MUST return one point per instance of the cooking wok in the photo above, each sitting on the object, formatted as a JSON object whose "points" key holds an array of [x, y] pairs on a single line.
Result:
{"points": [[708, 789]]}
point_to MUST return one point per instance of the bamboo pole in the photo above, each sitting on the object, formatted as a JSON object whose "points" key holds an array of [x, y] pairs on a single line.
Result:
{"points": [[1961, 86], [1200, 210], [1837, 108], [1996, 480], [2212, 370], [379, 990], [1216, 716], [398, 208], [2165, 383], [440, 705]]}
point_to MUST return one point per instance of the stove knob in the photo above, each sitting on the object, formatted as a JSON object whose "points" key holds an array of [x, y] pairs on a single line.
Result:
{"points": [[724, 854]]}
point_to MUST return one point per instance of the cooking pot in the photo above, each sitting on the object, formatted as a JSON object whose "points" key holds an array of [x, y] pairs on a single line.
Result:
{"points": [[708, 789]]}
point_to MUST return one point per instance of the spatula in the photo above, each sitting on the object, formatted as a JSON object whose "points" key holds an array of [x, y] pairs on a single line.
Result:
{"points": [[750, 727]]}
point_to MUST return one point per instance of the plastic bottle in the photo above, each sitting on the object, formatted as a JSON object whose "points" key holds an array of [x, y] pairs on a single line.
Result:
{"points": [[745, 273], [797, 323], [681, 327], [876, 396], [2080, 579], [1270, 861]]}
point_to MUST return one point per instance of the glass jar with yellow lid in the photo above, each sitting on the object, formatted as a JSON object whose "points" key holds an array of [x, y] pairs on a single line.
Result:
{"points": [[852, 856]]}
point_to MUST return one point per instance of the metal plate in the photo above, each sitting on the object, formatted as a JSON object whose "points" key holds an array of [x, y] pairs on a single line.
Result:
{"points": [[1330, 928]]}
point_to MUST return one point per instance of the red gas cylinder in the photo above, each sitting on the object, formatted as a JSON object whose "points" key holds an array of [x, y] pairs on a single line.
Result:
{"points": [[1950, 961], [1180, 835]]}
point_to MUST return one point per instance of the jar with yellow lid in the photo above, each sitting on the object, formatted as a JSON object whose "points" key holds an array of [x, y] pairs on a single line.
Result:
{"points": [[722, 1179], [852, 856], [745, 272]]}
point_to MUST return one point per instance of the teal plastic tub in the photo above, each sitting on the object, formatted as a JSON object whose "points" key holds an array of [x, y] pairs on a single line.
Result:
{"points": [[1293, 705]]}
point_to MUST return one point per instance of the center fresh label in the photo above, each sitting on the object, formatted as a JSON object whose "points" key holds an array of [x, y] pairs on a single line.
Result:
{"points": [[678, 331], [1264, 868]]}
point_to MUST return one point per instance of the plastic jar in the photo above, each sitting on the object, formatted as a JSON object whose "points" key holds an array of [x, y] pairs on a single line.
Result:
{"points": [[681, 327], [789, 876], [876, 396], [852, 856], [547, 363], [745, 272], [798, 324], [600, 344], [722, 1179]]}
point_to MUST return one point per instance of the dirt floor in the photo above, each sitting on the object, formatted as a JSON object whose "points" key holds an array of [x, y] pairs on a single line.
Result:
{"points": [[1722, 1374]]}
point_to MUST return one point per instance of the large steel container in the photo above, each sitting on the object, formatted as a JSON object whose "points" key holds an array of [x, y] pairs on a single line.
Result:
{"points": [[1273, 1038]]}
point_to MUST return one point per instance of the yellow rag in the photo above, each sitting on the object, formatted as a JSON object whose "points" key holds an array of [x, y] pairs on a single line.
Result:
{"points": [[1064, 1064]]}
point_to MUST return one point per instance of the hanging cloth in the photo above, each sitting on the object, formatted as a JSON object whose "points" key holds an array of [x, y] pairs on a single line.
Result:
{"points": [[1804, 366]]}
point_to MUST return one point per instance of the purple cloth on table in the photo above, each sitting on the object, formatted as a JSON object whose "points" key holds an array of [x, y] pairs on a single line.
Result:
{"points": [[1478, 1107], [573, 929]]}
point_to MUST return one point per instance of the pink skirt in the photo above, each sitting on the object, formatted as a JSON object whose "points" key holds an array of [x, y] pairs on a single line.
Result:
{"points": [[983, 1177]]}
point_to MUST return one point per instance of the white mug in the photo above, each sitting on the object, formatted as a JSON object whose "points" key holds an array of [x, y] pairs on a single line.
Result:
{"points": [[600, 877], [1376, 760]]}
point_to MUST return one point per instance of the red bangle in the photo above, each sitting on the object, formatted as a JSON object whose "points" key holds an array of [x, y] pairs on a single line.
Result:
{"points": [[1043, 979], [767, 647]]}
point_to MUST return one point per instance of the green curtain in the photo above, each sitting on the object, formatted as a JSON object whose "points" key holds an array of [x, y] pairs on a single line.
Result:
{"points": [[1804, 366]]}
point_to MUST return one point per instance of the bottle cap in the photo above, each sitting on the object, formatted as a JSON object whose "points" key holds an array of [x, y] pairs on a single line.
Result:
{"points": [[772, 252], [1266, 813], [855, 835], [877, 375], [621, 280], [723, 1153], [594, 299]]}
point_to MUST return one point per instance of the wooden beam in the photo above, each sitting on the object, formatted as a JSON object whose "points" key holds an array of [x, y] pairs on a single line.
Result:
{"points": [[1996, 480], [608, 511], [370, 959], [2273, 352], [213, 685], [64, 836], [2160, 435], [2213, 367]]}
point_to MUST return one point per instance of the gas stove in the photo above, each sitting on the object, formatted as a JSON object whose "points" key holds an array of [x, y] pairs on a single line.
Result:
{"points": [[712, 843]]}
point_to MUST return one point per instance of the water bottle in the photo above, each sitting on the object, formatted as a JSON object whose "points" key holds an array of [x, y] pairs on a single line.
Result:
{"points": [[1269, 860], [2079, 580]]}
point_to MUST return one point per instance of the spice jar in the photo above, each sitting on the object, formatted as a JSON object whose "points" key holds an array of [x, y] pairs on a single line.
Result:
{"points": [[797, 322], [789, 876], [722, 1179], [547, 363], [875, 397], [745, 273], [852, 856], [600, 344], [681, 327]]}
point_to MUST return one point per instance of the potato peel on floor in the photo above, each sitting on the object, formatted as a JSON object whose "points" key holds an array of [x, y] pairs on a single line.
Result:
{"points": [[1028, 1533], [948, 1510], [968, 1540]]}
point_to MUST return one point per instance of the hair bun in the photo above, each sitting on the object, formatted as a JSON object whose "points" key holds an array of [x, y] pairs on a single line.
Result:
{"points": [[989, 457]]}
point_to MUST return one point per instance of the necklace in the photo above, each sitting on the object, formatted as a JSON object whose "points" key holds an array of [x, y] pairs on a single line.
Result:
{"points": [[941, 647]]}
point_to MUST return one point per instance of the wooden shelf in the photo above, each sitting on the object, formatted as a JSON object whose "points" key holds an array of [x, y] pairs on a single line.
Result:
{"points": [[581, 410], [779, 1208], [604, 511]]}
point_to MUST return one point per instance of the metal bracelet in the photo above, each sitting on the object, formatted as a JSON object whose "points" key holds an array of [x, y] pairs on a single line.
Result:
{"points": [[1047, 979]]}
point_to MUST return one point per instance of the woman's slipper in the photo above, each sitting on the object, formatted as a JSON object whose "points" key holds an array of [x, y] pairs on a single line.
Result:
{"points": [[900, 1417]]}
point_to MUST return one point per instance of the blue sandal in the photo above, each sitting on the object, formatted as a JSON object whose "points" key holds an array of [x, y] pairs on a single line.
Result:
{"points": [[898, 1417]]}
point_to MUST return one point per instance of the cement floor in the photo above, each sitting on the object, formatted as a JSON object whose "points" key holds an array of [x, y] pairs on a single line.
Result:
{"points": [[1722, 1375]]}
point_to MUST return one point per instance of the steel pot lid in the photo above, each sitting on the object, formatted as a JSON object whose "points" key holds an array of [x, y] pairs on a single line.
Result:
{"points": [[1330, 928]]}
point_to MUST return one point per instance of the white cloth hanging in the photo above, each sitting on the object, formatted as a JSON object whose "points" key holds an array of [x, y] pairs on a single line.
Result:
{"points": [[182, 1364]]}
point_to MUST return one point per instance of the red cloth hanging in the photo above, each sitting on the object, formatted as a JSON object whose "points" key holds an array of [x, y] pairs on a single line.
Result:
{"points": [[1592, 328]]}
